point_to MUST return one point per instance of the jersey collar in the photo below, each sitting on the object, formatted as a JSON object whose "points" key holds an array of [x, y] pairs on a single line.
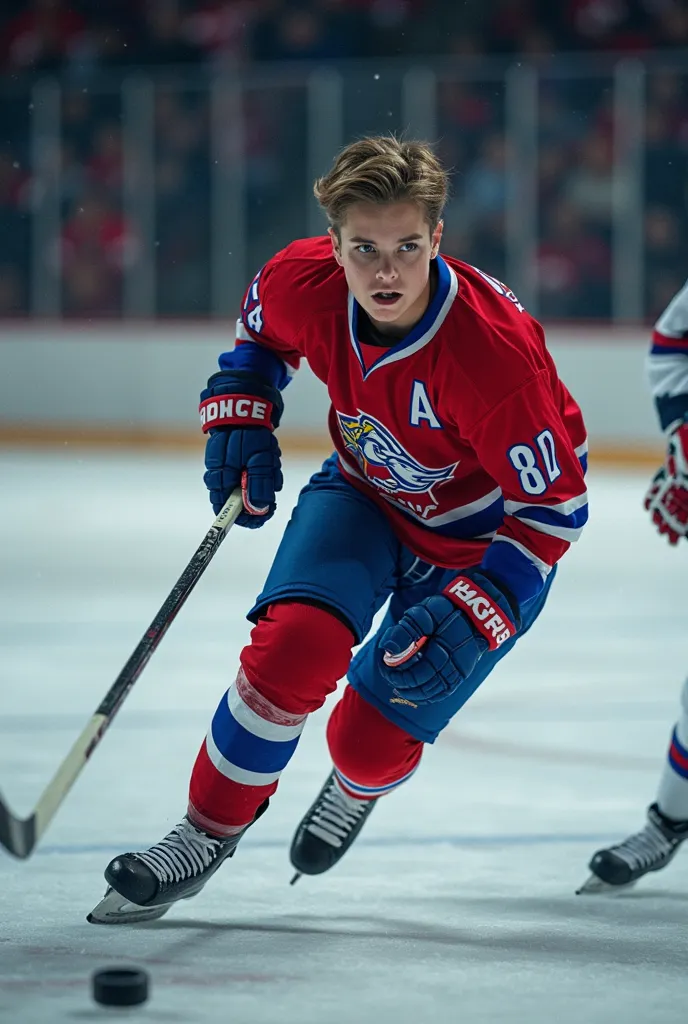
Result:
{"points": [[424, 331]]}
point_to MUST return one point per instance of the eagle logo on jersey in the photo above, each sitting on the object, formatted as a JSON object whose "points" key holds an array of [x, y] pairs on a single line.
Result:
{"points": [[388, 466]]}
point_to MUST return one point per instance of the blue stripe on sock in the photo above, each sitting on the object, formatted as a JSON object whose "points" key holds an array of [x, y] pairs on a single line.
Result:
{"points": [[242, 748], [683, 751], [372, 790], [678, 757]]}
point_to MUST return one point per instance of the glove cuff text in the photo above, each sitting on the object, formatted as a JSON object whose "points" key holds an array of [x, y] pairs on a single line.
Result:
{"points": [[486, 616], [235, 411]]}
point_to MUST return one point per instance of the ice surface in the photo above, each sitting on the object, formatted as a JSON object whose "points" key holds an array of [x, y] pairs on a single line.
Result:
{"points": [[457, 903]]}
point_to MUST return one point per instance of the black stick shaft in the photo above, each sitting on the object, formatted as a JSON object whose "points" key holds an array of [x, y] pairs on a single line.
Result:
{"points": [[150, 640], [20, 835]]}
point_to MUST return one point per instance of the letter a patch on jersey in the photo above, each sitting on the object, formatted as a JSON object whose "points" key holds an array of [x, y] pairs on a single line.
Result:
{"points": [[253, 310], [421, 409]]}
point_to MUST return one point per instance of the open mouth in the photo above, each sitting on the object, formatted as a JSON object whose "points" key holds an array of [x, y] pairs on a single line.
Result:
{"points": [[386, 298]]}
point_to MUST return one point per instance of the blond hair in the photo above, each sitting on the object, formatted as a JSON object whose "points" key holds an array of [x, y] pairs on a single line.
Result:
{"points": [[383, 169]]}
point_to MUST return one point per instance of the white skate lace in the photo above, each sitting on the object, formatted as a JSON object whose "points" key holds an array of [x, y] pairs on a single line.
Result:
{"points": [[182, 854], [645, 848], [335, 815]]}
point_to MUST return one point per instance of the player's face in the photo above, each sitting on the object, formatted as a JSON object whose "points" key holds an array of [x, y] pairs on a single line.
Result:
{"points": [[385, 252]]}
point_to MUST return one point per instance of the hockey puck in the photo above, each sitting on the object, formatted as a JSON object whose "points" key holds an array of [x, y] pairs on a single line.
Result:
{"points": [[120, 986]]}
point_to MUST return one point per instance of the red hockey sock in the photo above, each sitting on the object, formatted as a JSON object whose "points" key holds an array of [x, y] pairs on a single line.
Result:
{"points": [[296, 656], [372, 756]]}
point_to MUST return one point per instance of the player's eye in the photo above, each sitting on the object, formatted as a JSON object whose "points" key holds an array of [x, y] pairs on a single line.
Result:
{"points": [[365, 248], [408, 247]]}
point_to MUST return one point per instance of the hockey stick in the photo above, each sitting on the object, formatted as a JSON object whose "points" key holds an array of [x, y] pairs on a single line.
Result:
{"points": [[20, 835]]}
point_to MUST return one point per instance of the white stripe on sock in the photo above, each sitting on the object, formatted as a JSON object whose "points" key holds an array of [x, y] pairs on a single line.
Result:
{"points": [[672, 794], [233, 771]]}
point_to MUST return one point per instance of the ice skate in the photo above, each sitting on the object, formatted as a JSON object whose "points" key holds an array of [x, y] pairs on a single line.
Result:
{"points": [[619, 867], [143, 886], [327, 830]]}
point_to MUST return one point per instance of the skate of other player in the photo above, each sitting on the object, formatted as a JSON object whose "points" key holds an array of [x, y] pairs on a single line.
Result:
{"points": [[619, 867], [455, 486]]}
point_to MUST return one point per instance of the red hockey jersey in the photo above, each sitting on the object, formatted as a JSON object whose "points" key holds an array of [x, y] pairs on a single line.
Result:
{"points": [[461, 432]]}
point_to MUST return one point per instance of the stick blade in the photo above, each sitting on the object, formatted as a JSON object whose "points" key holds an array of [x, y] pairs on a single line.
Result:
{"points": [[17, 835]]}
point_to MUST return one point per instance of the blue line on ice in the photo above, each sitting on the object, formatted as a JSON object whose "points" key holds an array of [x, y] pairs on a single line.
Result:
{"points": [[526, 839]]}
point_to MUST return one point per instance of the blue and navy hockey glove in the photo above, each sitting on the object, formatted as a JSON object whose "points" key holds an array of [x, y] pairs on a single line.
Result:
{"points": [[436, 644], [239, 412]]}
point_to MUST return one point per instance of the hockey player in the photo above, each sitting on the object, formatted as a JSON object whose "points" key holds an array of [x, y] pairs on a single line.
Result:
{"points": [[620, 867], [456, 484]]}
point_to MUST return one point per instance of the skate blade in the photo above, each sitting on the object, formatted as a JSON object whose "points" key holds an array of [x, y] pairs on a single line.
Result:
{"points": [[115, 909], [295, 878], [594, 886]]}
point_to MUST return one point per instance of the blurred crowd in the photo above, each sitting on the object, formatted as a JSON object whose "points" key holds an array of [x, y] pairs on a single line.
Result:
{"points": [[90, 45], [575, 189]]}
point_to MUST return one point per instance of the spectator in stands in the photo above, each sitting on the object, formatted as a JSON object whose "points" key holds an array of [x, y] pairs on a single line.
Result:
{"points": [[666, 90], [590, 182], [485, 247], [483, 190], [575, 173], [222, 29], [665, 161], [111, 46], [666, 255], [41, 37], [672, 30], [610, 24], [15, 197], [72, 176], [105, 166], [393, 26], [660, 289], [298, 31], [13, 301], [182, 212], [96, 248], [562, 119], [538, 47], [506, 20], [76, 125], [467, 110], [165, 38], [552, 168], [573, 267]]}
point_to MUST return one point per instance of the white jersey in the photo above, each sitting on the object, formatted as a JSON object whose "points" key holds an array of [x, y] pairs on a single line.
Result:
{"points": [[667, 362]]}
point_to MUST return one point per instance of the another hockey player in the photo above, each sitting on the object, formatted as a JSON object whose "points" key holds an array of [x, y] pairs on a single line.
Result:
{"points": [[456, 484], [651, 849]]}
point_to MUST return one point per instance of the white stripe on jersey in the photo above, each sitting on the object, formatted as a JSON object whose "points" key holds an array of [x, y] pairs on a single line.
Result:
{"points": [[564, 508], [454, 514], [242, 334], [667, 374], [567, 533]]}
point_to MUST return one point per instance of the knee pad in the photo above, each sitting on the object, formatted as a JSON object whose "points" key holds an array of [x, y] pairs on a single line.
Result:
{"points": [[297, 655], [368, 750]]}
